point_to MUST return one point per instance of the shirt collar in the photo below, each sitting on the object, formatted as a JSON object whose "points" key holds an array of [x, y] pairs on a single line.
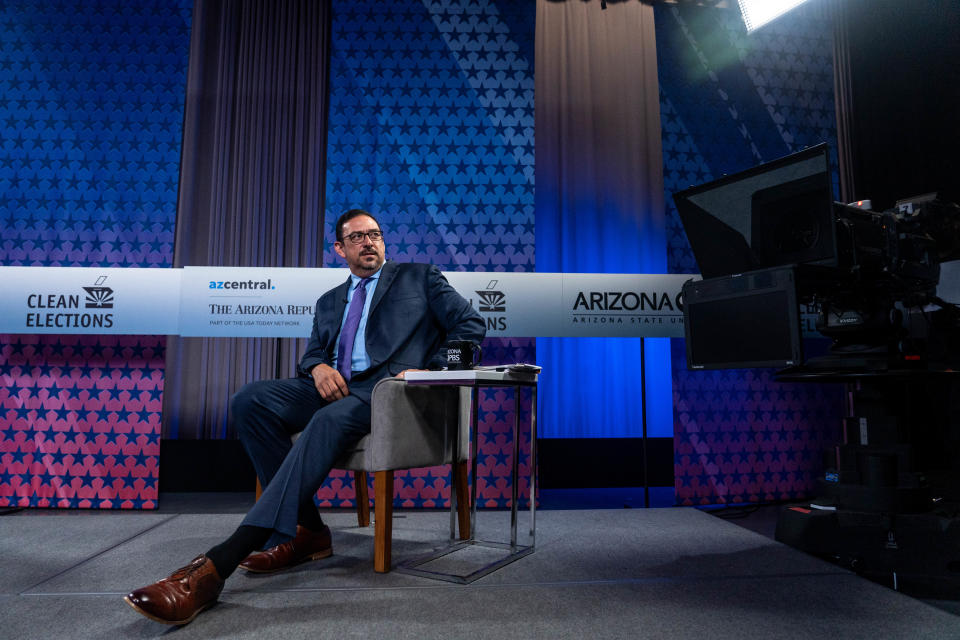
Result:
{"points": [[355, 279]]}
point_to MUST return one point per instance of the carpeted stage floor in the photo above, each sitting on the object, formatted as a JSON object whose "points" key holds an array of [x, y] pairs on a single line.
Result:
{"points": [[614, 573]]}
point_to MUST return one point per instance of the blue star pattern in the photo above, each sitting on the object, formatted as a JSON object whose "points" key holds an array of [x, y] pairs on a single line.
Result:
{"points": [[91, 123], [89, 166], [729, 101], [741, 437], [431, 130]]}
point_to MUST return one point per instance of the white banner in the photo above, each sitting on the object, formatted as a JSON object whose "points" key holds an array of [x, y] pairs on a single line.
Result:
{"points": [[252, 301], [89, 300], [622, 305], [279, 302], [512, 304]]}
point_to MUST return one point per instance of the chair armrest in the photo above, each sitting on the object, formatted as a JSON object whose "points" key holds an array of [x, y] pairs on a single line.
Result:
{"points": [[413, 425]]}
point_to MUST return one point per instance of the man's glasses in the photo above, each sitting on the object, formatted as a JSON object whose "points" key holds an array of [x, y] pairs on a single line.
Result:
{"points": [[357, 236]]}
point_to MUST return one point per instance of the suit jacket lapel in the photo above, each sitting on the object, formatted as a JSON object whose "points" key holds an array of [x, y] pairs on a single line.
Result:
{"points": [[387, 275]]}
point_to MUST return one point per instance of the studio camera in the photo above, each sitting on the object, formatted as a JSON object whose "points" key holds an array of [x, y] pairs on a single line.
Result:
{"points": [[775, 250]]}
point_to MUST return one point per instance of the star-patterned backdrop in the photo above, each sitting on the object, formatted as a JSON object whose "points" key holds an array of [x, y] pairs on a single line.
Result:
{"points": [[82, 421], [91, 122], [729, 101], [431, 130]]}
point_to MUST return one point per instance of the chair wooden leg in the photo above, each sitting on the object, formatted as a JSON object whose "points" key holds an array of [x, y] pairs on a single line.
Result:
{"points": [[259, 490], [463, 501], [362, 498], [383, 527]]}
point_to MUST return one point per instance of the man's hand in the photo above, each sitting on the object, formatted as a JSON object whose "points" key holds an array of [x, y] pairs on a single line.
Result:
{"points": [[402, 373], [329, 383]]}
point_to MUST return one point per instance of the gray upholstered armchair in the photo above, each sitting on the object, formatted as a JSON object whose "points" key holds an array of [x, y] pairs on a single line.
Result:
{"points": [[410, 426]]}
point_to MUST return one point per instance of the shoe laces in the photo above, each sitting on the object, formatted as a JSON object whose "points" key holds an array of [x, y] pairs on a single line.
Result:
{"points": [[185, 572]]}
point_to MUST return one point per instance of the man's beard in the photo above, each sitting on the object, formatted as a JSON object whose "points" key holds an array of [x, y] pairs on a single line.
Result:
{"points": [[370, 265]]}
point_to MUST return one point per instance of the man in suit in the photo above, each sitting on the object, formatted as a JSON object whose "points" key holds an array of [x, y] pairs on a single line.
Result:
{"points": [[386, 319]]}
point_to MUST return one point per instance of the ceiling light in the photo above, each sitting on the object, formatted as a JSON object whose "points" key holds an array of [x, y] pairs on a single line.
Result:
{"points": [[757, 13]]}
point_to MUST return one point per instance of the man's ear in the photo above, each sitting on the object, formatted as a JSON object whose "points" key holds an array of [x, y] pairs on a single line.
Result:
{"points": [[338, 247]]}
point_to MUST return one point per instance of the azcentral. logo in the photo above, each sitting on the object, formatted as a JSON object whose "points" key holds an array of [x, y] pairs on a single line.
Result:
{"points": [[492, 301], [242, 284], [98, 296]]}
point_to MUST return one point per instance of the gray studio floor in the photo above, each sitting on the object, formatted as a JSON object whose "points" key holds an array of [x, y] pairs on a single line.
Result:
{"points": [[603, 573]]}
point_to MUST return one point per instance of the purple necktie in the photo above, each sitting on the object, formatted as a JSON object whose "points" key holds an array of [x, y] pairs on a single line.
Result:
{"points": [[349, 332]]}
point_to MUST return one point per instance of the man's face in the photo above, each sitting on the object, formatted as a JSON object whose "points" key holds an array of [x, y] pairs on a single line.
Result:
{"points": [[366, 256]]}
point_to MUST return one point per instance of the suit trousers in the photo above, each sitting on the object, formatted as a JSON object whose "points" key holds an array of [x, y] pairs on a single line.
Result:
{"points": [[266, 414]]}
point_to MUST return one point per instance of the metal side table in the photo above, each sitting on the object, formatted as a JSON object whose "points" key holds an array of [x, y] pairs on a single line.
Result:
{"points": [[475, 379]]}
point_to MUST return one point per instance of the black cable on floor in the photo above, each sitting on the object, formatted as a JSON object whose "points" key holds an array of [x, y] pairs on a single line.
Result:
{"points": [[7, 511], [733, 512]]}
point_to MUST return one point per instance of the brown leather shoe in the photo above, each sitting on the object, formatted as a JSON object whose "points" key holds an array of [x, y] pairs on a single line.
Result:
{"points": [[179, 598], [307, 545]]}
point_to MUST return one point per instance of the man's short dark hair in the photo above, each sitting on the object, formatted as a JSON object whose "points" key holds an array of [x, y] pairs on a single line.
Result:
{"points": [[350, 215]]}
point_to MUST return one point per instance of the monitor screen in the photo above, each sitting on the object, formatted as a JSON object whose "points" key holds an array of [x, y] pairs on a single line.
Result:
{"points": [[749, 320], [775, 214]]}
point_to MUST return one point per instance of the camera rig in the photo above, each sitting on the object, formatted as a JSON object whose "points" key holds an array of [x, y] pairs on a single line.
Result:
{"points": [[871, 277]]}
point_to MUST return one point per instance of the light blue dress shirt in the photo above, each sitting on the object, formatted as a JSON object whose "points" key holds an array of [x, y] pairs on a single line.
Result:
{"points": [[360, 360]]}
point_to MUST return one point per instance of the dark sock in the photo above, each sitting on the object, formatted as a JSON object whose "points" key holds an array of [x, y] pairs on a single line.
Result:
{"points": [[231, 552], [309, 517]]}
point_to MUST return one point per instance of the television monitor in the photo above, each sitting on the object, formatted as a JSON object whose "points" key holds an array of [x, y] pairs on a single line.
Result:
{"points": [[775, 214], [745, 320]]}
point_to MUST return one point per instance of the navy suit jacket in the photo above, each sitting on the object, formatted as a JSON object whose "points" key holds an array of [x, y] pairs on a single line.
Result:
{"points": [[414, 312]]}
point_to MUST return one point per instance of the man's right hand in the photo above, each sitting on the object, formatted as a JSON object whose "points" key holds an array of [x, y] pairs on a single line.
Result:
{"points": [[329, 383]]}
